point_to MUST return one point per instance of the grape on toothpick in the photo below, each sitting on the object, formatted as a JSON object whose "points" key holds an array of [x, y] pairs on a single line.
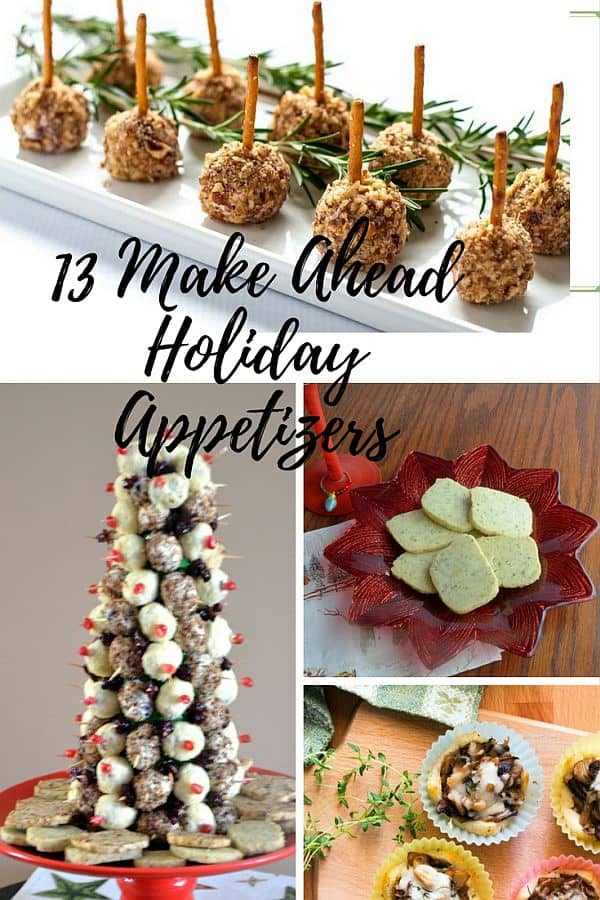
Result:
{"points": [[245, 181], [316, 109], [497, 261], [49, 116], [221, 85], [119, 68], [140, 144], [403, 141], [540, 198], [361, 194]]}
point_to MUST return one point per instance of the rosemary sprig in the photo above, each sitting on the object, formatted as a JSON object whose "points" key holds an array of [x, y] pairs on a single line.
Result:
{"points": [[372, 810]]}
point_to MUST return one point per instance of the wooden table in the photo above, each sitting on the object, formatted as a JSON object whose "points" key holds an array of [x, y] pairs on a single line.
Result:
{"points": [[552, 425]]}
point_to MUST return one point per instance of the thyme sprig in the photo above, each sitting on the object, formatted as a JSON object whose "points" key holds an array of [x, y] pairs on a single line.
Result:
{"points": [[370, 811]]}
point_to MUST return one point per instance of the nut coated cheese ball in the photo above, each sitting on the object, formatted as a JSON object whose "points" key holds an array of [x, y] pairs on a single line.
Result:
{"points": [[244, 186], [542, 206], [226, 93], [399, 145], [344, 202], [119, 69], [326, 118], [50, 119], [141, 147], [497, 262]]}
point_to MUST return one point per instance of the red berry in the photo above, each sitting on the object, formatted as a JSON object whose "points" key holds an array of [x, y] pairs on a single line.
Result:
{"points": [[208, 458], [238, 639], [211, 542], [247, 682], [84, 651], [70, 754], [96, 820], [196, 788], [78, 718], [229, 586], [106, 768], [139, 587], [122, 451], [188, 745], [87, 623], [93, 589], [160, 481], [110, 487], [245, 739], [205, 829], [160, 630], [185, 698], [111, 521], [167, 668], [115, 556], [97, 739], [89, 701]]}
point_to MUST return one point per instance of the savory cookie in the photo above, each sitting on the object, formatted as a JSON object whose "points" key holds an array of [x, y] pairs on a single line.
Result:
{"points": [[253, 838], [416, 532], [269, 787], [413, 569], [52, 788], [207, 855], [51, 839], [157, 859], [462, 576], [495, 512], [37, 811], [118, 840], [14, 836], [87, 858], [449, 504], [197, 839], [515, 560]]}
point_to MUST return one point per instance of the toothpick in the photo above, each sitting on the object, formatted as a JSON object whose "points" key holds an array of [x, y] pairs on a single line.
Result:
{"points": [[141, 75], [47, 64], [319, 52], [251, 98], [223, 517], [558, 96], [499, 186], [357, 116], [215, 56], [417, 116], [231, 556], [121, 37]]}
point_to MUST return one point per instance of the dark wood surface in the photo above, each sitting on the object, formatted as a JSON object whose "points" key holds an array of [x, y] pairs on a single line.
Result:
{"points": [[530, 425]]}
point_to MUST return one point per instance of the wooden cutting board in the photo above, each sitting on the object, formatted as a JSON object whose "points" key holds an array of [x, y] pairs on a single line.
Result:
{"points": [[348, 871]]}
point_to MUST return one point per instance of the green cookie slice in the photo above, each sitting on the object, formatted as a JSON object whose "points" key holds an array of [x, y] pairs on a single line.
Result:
{"points": [[449, 504], [515, 560], [495, 512], [413, 569], [462, 575], [415, 532]]}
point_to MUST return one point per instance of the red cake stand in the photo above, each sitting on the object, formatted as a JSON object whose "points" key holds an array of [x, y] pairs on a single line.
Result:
{"points": [[135, 884]]}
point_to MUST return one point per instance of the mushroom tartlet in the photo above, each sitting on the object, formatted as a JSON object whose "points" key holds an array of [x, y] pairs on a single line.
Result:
{"points": [[479, 784], [430, 876], [398, 145], [542, 206], [141, 146], [562, 884], [50, 118], [496, 264], [225, 91], [581, 797], [434, 869], [328, 116], [119, 69]]}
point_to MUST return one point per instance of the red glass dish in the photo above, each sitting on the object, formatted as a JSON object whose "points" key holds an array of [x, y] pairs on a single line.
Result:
{"points": [[134, 883], [513, 620]]}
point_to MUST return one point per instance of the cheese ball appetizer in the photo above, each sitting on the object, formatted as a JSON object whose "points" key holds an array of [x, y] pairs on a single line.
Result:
{"points": [[118, 69], [50, 118], [328, 116], [226, 93], [497, 263], [141, 147], [397, 145], [542, 206]]}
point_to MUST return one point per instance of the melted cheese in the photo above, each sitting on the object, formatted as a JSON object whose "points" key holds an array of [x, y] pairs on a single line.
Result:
{"points": [[595, 785], [482, 800], [425, 881]]}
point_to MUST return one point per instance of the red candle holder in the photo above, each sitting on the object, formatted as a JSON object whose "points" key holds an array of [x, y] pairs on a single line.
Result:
{"points": [[329, 480]]}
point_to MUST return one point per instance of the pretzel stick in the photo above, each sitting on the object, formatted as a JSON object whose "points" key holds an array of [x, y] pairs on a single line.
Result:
{"points": [[47, 66], [499, 186], [357, 116], [141, 75], [319, 52], [121, 37], [558, 96], [250, 109], [215, 56], [417, 116]]}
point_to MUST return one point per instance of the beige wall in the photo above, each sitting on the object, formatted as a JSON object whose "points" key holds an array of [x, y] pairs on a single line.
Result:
{"points": [[56, 454]]}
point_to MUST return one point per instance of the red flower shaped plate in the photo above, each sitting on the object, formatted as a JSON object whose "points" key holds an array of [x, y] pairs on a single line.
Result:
{"points": [[513, 620]]}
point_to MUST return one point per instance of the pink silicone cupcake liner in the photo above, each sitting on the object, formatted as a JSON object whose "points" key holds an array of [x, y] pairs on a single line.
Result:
{"points": [[555, 862]]}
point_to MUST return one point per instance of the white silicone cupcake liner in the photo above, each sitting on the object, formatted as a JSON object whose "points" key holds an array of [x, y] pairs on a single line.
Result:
{"points": [[518, 747], [585, 746]]}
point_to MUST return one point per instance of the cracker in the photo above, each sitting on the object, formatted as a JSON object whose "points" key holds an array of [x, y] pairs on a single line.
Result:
{"points": [[48, 839], [251, 809], [252, 838], [206, 855], [495, 512], [284, 816], [157, 859], [413, 569], [13, 836], [269, 787], [516, 561], [52, 788], [118, 840], [415, 532], [197, 839], [449, 504], [86, 858], [38, 811], [462, 575]]}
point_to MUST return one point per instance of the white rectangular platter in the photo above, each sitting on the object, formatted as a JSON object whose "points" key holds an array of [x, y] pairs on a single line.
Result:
{"points": [[169, 213]]}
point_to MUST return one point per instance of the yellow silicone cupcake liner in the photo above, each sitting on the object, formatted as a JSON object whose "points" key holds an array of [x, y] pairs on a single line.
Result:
{"points": [[481, 885], [561, 798]]}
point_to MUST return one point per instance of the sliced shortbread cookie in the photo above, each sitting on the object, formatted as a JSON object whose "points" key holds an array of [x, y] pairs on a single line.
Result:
{"points": [[52, 788], [52, 839], [37, 811], [284, 816], [449, 504], [463, 577], [413, 569], [14, 836], [251, 809], [157, 859], [495, 512], [515, 560], [415, 532], [118, 840], [197, 839], [252, 838], [86, 858], [270, 787], [206, 855]]}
